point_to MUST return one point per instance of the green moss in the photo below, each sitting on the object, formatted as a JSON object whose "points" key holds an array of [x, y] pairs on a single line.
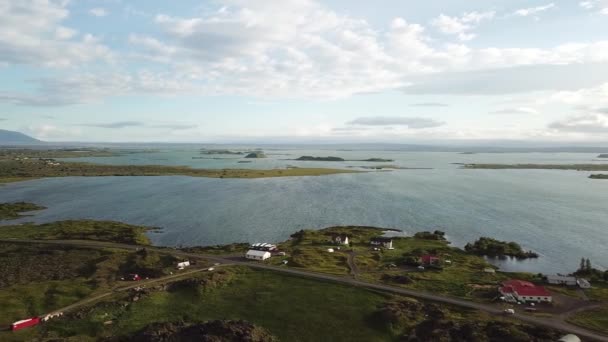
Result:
{"points": [[78, 230], [9, 211]]}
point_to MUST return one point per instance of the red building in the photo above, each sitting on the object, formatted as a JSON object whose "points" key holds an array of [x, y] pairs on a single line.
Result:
{"points": [[429, 259], [134, 277], [25, 323], [524, 291]]}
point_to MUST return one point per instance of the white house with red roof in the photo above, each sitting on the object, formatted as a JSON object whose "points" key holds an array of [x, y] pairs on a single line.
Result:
{"points": [[524, 291]]}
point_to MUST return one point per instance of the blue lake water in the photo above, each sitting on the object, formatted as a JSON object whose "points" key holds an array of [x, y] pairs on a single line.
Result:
{"points": [[562, 215]]}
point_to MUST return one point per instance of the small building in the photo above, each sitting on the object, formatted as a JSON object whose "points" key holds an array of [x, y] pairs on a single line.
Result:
{"points": [[559, 279], [330, 250], [428, 259], [489, 270], [583, 283], [183, 264], [134, 277], [263, 246], [25, 323], [340, 239], [382, 241], [524, 291], [253, 254]]}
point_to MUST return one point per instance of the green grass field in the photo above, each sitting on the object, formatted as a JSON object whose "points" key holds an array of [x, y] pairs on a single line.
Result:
{"points": [[78, 230], [593, 319], [294, 309]]}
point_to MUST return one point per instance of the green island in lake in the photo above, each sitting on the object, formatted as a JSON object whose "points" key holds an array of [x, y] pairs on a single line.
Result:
{"points": [[81, 275], [23, 165], [339, 159]]}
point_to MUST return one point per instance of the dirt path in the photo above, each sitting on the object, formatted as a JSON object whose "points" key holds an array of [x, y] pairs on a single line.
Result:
{"points": [[350, 260]]}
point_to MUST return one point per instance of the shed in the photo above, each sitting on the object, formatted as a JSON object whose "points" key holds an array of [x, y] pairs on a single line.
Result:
{"points": [[583, 283], [257, 255], [559, 279]]}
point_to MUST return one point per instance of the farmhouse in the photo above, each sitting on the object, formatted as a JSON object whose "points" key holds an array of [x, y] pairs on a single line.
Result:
{"points": [[253, 254], [561, 280], [340, 239], [524, 291], [385, 242], [428, 259]]}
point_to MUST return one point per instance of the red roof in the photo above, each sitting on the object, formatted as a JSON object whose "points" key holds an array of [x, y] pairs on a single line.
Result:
{"points": [[428, 259], [524, 288]]}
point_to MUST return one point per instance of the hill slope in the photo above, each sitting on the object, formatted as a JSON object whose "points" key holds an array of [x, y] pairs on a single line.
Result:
{"points": [[11, 137]]}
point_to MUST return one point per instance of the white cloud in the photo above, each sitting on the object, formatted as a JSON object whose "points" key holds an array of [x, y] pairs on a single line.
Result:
{"points": [[410, 122], [517, 110], [461, 26], [31, 33], [524, 12], [601, 6], [589, 123], [98, 12]]}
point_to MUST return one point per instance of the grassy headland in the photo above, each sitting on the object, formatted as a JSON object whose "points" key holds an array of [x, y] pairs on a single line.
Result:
{"points": [[577, 167], [10, 211], [78, 230], [19, 170], [495, 248]]}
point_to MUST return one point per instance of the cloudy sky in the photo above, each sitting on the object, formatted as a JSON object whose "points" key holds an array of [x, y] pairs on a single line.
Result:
{"points": [[302, 70]]}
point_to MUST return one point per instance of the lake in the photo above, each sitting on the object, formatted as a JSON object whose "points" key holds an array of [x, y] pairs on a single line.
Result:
{"points": [[562, 215]]}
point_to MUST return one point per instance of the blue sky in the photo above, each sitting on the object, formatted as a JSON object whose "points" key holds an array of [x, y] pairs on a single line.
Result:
{"points": [[301, 70]]}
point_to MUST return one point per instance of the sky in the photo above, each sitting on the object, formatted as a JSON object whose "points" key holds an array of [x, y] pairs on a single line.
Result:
{"points": [[390, 71]]}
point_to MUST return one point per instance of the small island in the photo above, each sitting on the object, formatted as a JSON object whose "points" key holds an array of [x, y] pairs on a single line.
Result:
{"points": [[11, 211], [256, 154], [339, 159], [599, 176], [205, 151], [603, 155], [495, 248], [311, 158]]}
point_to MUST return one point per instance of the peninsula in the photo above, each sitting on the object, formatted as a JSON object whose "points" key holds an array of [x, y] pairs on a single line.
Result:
{"points": [[576, 167], [86, 272]]}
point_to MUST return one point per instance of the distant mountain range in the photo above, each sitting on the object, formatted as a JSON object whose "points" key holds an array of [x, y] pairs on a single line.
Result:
{"points": [[11, 137]]}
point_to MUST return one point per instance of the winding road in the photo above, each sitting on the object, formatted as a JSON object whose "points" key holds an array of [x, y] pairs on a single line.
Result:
{"points": [[553, 322]]}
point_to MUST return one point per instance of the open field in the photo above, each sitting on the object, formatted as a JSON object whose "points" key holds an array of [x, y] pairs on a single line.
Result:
{"points": [[15, 171], [291, 308], [596, 319], [78, 230]]}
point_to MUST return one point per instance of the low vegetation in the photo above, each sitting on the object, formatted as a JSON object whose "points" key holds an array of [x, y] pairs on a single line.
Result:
{"points": [[577, 167], [210, 331], [19, 170], [78, 230], [10, 211], [256, 154], [25, 154], [495, 248], [416, 321], [596, 319], [311, 158], [256, 304]]}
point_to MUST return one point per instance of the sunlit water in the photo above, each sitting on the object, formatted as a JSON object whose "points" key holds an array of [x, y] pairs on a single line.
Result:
{"points": [[562, 215]]}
